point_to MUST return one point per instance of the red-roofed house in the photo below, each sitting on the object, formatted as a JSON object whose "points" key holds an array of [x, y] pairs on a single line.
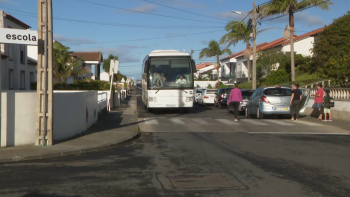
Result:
{"points": [[235, 66]]}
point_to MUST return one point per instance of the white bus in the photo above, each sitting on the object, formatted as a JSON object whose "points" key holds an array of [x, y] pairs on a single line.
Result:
{"points": [[167, 79]]}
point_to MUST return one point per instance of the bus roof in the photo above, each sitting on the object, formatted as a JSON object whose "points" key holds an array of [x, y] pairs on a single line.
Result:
{"points": [[167, 53]]}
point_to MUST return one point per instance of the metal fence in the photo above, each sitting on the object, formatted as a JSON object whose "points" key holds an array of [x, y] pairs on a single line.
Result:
{"points": [[336, 93]]}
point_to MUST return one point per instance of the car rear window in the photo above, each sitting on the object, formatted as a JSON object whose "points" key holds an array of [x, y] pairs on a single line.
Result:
{"points": [[211, 91], [199, 91], [278, 92]]}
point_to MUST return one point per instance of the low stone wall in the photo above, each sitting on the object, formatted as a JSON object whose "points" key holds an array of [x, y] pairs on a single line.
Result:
{"points": [[340, 111]]}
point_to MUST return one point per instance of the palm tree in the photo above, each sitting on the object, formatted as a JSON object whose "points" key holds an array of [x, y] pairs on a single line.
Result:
{"points": [[237, 32], [107, 62], [276, 7], [214, 50]]}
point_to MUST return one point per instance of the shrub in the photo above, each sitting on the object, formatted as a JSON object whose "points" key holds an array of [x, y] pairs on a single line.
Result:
{"points": [[277, 77], [209, 86], [247, 85], [83, 85]]}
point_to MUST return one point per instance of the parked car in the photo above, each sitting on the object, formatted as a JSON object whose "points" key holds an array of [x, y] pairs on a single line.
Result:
{"points": [[246, 93], [207, 97], [197, 94], [273, 101], [221, 97]]}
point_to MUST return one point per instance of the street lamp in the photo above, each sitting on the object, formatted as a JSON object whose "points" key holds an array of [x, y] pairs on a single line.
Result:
{"points": [[254, 44]]}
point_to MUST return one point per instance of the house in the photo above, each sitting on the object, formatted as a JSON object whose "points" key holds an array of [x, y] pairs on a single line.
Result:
{"points": [[92, 62], [17, 70], [207, 68], [235, 66]]}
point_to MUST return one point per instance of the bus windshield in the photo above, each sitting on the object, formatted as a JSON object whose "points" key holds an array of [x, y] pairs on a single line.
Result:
{"points": [[170, 73]]}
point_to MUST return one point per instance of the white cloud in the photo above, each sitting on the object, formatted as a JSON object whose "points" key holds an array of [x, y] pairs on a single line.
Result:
{"points": [[148, 8], [230, 15], [124, 55], [181, 4], [300, 18], [6, 2], [71, 41], [205, 42]]}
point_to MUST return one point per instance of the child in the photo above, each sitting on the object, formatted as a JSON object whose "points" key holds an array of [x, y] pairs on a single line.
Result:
{"points": [[326, 108]]}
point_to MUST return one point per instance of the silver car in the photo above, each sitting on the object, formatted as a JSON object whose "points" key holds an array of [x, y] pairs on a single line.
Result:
{"points": [[197, 94], [273, 101]]}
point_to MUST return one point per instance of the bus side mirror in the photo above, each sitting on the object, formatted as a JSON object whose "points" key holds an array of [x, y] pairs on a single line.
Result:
{"points": [[193, 66]]}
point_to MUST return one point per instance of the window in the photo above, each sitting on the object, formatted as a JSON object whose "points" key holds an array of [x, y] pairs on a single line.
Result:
{"points": [[11, 79], [278, 92], [22, 47], [31, 75], [170, 73], [247, 93], [22, 85]]}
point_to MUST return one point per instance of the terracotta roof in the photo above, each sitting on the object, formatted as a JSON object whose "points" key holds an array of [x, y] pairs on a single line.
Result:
{"points": [[15, 20], [203, 65], [241, 53], [89, 56], [311, 33]]}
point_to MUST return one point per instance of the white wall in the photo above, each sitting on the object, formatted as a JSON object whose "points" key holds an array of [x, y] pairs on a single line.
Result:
{"points": [[338, 106], [204, 84], [69, 115], [18, 112], [69, 112], [104, 76], [301, 47]]}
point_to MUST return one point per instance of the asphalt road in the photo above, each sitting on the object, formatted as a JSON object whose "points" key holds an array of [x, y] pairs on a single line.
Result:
{"points": [[173, 163]]}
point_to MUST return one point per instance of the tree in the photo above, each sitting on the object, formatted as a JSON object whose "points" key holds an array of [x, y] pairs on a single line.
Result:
{"points": [[213, 50], [237, 32], [65, 64], [331, 52], [107, 62], [277, 7]]}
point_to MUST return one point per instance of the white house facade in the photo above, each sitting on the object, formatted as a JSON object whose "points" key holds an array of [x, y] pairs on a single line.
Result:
{"points": [[235, 66], [18, 71]]}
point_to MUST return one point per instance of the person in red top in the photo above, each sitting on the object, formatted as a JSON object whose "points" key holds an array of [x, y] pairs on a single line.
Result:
{"points": [[318, 100], [234, 99]]}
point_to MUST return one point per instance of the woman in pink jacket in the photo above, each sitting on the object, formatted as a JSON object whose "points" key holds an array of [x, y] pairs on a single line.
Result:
{"points": [[234, 99]]}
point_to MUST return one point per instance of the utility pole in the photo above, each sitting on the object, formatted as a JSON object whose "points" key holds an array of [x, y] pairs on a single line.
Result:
{"points": [[44, 75], [254, 47], [191, 53]]}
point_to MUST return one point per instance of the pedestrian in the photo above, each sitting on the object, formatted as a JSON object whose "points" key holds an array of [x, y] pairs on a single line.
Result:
{"points": [[318, 100], [326, 106], [295, 102], [235, 99]]}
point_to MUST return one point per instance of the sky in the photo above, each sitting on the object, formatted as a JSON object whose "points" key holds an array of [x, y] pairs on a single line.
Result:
{"points": [[108, 26]]}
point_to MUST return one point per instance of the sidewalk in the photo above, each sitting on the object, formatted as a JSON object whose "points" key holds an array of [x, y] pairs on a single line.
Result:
{"points": [[118, 126], [343, 124]]}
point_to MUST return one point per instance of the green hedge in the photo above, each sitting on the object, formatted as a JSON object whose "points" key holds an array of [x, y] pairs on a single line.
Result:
{"points": [[83, 85]]}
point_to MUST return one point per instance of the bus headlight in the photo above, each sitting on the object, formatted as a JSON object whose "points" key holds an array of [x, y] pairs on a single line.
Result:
{"points": [[152, 99], [189, 99]]}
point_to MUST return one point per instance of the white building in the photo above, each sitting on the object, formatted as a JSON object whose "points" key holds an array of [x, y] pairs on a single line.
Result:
{"points": [[104, 76], [91, 61], [18, 71], [235, 66]]}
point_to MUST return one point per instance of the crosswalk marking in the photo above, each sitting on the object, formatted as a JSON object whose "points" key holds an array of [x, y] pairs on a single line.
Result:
{"points": [[176, 121], [200, 121], [254, 122], [150, 121], [229, 122], [280, 122], [307, 123]]}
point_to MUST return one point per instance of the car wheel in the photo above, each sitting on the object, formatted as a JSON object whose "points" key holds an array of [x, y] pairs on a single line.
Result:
{"points": [[219, 105], [259, 115], [247, 114]]}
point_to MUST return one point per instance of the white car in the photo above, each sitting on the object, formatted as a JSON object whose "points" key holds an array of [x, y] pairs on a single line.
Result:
{"points": [[197, 94], [207, 96]]}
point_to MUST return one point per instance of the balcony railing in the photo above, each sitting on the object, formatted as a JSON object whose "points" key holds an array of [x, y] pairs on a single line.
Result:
{"points": [[336, 93]]}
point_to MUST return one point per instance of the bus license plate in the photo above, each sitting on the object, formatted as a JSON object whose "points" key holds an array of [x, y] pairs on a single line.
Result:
{"points": [[281, 108], [170, 105]]}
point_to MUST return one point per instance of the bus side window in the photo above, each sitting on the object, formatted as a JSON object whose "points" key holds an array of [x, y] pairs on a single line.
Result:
{"points": [[146, 67]]}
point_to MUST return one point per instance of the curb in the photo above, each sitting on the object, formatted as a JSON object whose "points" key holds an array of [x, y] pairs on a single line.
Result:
{"points": [[75, 152]]}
